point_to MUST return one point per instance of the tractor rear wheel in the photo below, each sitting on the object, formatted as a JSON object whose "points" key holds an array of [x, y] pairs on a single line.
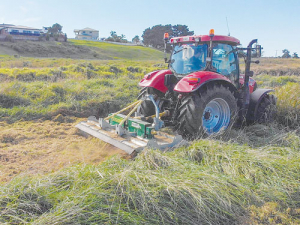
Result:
{"points": [[266, 109], [206, 112]]}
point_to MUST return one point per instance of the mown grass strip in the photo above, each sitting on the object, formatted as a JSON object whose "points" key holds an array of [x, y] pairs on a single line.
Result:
{"points": [[223, 186]]}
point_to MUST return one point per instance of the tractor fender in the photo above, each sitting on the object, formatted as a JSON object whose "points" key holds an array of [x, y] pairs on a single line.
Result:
{"points": [[255, 99], [187, 85], [155, 80]]}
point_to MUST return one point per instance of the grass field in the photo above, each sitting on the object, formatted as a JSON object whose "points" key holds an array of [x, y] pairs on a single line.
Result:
{"points": [[50, 87], [121, 51], [77, 49], [51, 174]]}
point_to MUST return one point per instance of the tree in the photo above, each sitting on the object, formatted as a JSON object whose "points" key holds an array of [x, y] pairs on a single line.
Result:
{"points": [[122, 37], [136, 39], [181, 30], [295, 55], [113, 34], [154, 36], [286, 53], [55, 30], [115, 38]]}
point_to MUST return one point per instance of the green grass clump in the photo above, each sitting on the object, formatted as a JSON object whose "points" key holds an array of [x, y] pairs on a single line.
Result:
{"points": [[210, 182], [287, 91], [37, 99], [275, 81], [288, 104], [80, 89]]}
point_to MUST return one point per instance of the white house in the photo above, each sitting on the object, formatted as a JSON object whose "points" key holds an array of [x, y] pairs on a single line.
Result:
{"points": [[86, 34], [20, 30]]}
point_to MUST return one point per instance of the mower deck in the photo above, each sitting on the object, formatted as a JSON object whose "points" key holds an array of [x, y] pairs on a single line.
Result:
{"points": [[127, 142]]}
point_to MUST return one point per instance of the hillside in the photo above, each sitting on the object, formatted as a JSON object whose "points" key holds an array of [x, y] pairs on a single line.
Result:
{"points": [[76, 49], [51, 174]]}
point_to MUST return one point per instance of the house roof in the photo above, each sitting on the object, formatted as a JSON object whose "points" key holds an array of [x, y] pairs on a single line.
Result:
{"points": [[86, 29], [24, 27], [6, 25], [18, 27]]}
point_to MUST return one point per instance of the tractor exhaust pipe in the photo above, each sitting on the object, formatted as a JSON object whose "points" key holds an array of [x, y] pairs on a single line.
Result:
{"points": [[248, 74], [248, 61]]}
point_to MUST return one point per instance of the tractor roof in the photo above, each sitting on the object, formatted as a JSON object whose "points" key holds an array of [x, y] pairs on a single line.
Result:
{"points": [[202, 38]]}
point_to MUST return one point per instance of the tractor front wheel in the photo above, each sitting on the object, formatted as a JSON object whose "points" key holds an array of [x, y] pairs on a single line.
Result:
{"points": [[147, 108], [206, 112]]}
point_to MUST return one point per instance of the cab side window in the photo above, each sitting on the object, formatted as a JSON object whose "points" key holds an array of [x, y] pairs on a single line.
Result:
{"points": [[225, 61]]}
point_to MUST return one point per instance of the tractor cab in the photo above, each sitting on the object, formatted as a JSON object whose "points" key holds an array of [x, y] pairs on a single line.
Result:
{"points": [[214, 53]]}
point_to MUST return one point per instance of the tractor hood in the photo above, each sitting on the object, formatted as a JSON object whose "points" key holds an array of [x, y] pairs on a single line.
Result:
{"points": [[193, 81], [156, 80]]}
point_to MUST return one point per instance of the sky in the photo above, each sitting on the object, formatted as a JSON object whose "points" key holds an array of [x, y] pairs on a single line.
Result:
{"points": [[275, 23]]}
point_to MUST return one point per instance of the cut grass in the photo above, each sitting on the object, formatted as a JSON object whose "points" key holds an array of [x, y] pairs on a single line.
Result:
{"points": [[46, 146], [228, 184]]}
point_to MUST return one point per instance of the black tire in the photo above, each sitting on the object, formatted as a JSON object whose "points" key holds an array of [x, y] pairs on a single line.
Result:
{"points": [[190, 116], [147, 108], [266, 110]]}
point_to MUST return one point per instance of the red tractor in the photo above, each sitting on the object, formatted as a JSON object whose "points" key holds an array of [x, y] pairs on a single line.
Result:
{"points": [[203, 89], [202, 93]]}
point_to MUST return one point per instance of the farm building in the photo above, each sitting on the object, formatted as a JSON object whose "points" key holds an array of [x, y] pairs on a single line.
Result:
{"points": [[86, 34]]}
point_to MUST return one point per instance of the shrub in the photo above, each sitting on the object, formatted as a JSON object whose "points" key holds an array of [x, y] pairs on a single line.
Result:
{"points": [[9, 38], [115, 70], [9, 101], [27, 77]]}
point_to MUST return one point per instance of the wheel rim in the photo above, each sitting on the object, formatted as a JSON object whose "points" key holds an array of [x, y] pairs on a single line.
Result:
{"points": [[216, 116]]}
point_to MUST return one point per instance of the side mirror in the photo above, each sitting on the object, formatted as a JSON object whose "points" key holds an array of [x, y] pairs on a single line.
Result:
{"points": [[258, 51]]}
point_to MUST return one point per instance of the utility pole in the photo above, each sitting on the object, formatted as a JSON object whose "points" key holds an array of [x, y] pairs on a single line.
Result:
{"points": [[276, 53]]}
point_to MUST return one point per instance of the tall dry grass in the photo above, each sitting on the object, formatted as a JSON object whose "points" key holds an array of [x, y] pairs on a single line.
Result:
{"points": [[288, 104]]}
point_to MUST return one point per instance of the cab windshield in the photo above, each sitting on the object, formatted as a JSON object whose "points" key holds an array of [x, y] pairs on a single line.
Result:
{"points": [[188, 58]]}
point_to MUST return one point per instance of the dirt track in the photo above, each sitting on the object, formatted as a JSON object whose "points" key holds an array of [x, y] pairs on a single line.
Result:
{"points": [[46, 146]]}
